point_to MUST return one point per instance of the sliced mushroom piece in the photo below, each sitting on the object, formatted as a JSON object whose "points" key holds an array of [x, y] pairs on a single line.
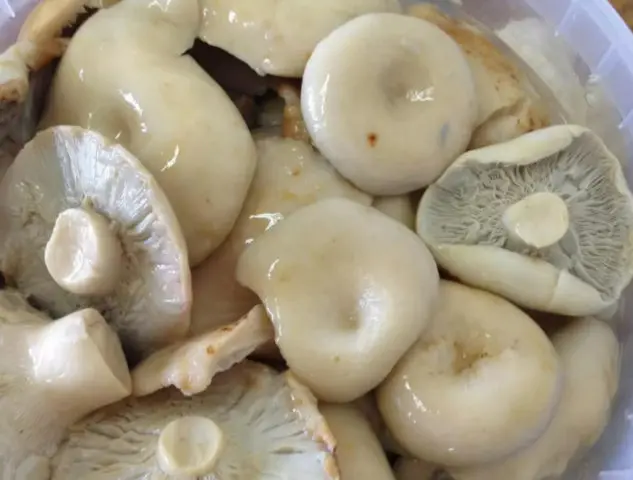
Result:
{"points": [[277, 37], [545, 220], [481, 383], [358, 452], [348, 289], [251, 423], [142, 91], [55, 373], [508, 106], [393, 124], [191, 365], [85, 225], [399, 208], [290, 175], [590, 356]]}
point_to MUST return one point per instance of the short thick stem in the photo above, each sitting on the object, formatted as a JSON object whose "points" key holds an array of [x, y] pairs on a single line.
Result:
{"points": [[83, 255], [538, 221]]}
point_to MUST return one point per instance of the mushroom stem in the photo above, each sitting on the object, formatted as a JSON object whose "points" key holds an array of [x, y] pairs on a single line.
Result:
{"points": [[80, 361], [190, 447], [539, 220], [83, 254]]}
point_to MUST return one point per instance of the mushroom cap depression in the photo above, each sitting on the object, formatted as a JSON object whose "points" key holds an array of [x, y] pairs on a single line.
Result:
{"points": [[278, 36], [390, 101], [68, 168], [269, 426], [455, 397], [545, 220], [290, 175], [348, 290], [143, 91]]}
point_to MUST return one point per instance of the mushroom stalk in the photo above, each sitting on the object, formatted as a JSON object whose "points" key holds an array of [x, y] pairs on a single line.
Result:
{"points": [[539, 220], [83, 254], [190, 447]]}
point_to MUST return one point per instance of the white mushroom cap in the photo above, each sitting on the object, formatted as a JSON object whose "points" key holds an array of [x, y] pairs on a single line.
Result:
{"points": [[545, 220], [359, 454], [507, 102], [482, 382], [54, 373], [390, 101], [277, 37], [66, 169], [290, 175], [142, 91], [590, 356], [399, 208], [348, 290], [191, 365], [251, 423]]}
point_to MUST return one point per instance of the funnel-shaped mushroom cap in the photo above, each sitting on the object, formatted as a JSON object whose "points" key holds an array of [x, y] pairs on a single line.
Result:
{"points": [[68, 170], [191, 365], [277, 37], [53, 374], [290, 175], [348, 289], [252, 423], [145, 93], [545, 220]]}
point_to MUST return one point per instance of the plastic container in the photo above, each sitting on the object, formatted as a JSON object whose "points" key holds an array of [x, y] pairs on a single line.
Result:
{"points": [[582, 53]]}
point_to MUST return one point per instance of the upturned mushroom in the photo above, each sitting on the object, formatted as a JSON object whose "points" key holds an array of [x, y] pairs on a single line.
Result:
{"points": [[85, 225], [191, 365], [481, 383], [290, 175], [277, 37], [400, 208], [508, 106], [348, 289], [143, 92], [393, 124], [359, 454], [545, 220], [53, 374], [251, 423]]}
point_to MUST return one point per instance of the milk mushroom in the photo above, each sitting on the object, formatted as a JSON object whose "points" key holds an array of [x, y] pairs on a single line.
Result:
{"points": [[142, 91], [55, 372], [453, 398], [399, 208], [86, 225], [252, 423], [191, 365], [545, 220], [393, 124], [359, 454], [590, 356], [290, 175], [348, 289], [507, 105], [277, 37]]}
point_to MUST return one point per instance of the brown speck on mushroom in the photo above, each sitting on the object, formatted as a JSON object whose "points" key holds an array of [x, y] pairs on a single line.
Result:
{"points": [[372, 138]]}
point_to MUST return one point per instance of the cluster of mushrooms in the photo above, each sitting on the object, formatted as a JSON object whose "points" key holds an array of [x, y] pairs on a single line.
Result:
{"points": [[214, 268]]}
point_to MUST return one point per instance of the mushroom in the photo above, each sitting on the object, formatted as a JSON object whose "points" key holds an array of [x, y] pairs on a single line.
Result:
{"points": [[507, 102], [359, 454], [482, 382], [393, 124], [545, 220], [348, 290], [55, 373], [142, 92], [590, 356], [191, 365], [290, 175], [252, 423], [85, 225], [277, 37], [399, 208]]}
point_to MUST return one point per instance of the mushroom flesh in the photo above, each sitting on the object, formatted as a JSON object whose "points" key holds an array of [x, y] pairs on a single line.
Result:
{"points": [[545, 220]]}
